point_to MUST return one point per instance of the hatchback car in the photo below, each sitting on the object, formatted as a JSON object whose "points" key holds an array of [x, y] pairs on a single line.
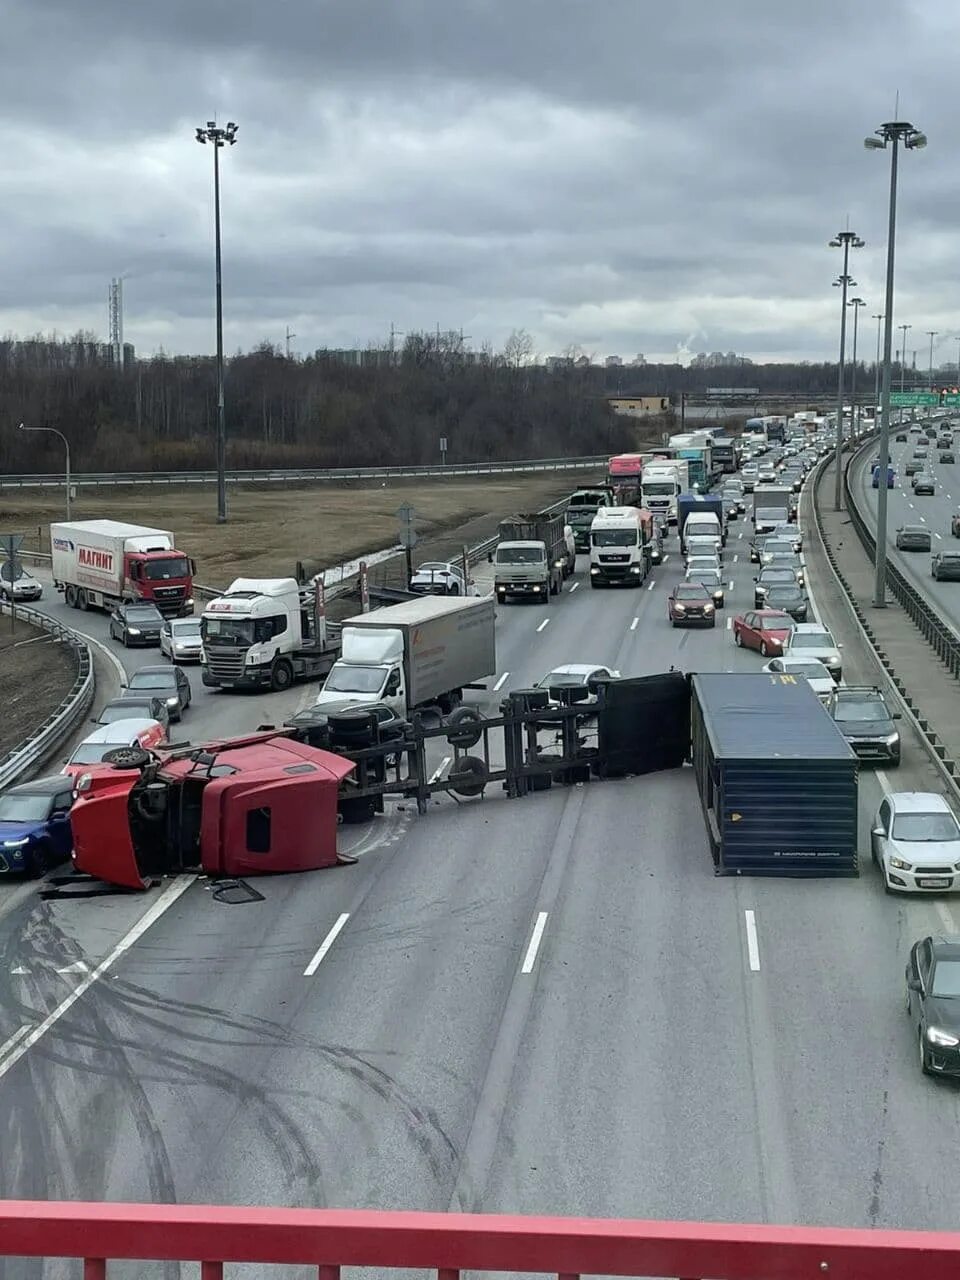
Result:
{"points": [[123, 733], [787, 599], [947, 455], [863, 717], [701, 544], [767, 630], [945, 566], [18, 585], [811, 640], [775, 558], [923, 484], [136, 624], [135, 707], [775, 546], [690, 604], [180, 640], [933, 1003], [915, 841], [815, 673], [789, 533], [35, 825], [712, 579], [913, 537], [769, 577], [169, 683]]}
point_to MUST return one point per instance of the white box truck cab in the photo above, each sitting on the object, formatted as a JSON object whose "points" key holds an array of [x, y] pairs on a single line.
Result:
{"points": [[660, 486], [616, 547], [421, 653]]}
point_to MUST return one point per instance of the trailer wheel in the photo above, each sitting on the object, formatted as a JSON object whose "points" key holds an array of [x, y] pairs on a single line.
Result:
{"points": [[464, 728], [127, 757], [83, 603], [468, 777], [281, 677]]}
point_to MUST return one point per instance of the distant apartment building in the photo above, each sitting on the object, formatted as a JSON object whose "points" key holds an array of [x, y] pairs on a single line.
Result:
{"points": [[717, 360], [613, 362]]}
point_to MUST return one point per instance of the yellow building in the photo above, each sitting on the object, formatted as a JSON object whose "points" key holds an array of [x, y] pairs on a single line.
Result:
{"points": [[638, 406]]}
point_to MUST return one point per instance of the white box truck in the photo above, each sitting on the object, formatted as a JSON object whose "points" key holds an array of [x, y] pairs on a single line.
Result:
{"points": [[99, 563], [420, 653]]}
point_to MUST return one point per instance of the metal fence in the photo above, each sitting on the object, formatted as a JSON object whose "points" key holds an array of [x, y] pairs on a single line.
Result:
{"points": [[57, 727], [449, 1244], [286, 475]]}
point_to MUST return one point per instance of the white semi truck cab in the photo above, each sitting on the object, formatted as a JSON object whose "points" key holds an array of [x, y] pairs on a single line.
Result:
{"points": [[264, 633], [617, 547]]}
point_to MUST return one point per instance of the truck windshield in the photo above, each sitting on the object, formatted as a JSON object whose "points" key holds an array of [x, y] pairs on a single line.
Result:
{"points": [[344, 678], [227, 630], [519, 555], [174, 567], [615, 538], [660, 488]]}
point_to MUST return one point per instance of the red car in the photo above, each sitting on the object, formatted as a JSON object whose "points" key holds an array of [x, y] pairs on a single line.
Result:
{"points": [[765, 629], [691, 602]]}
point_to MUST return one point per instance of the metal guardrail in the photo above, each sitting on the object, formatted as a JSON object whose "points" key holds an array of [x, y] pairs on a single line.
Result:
{"points": [[51, 733], [284, 475]]}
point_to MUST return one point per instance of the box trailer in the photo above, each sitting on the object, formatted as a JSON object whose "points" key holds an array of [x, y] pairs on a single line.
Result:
{"points": [[776, 777], [98, 563]]}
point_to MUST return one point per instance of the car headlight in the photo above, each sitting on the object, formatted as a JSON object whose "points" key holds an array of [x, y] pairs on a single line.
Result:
{"points": [[635, 568], [133, 631], [900, 865], [717, 597], [935, 1035], [708, 608], [679, 608], [16, 844], [536, 588], [761, 590], [892, 739], [189, 601], [594, 569], [172, 702]]}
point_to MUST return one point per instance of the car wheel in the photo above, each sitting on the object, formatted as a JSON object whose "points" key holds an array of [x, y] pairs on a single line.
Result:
{"points": [[923, 1054], [39, 861], [738, 639], [907, 1008], [763, 650]]}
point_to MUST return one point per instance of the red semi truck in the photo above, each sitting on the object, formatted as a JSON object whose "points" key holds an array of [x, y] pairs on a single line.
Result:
{"points": [[98, 563], [237, 807]]}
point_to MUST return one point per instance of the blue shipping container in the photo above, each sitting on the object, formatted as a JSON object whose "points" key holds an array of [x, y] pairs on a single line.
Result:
{"points": [[777, 779]]}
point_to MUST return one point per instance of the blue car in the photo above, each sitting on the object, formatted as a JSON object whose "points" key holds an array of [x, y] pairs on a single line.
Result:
{"points": [[35, 825]]}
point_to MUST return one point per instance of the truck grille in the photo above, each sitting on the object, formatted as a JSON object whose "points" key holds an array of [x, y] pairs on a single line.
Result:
{"points": [[169, 593], [615, 559], [227, 666]]}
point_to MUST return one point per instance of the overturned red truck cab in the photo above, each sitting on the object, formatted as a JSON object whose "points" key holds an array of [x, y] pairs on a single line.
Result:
{"points": [[245, 806]]}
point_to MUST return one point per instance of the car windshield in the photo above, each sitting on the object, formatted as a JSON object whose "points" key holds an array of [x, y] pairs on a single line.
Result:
{"points": [[171, 567], [614, 537], [774, 624], [925, 828], [861, 712], [690, 591], [946, 978], [189, 628], [913, 532], [812, 640], [776, 547], [519, 555], [152, 680], [129, 710], [564, 679], [25, 808], [778, 575], [143, 613], [93, 752], [344, 678], [809, 670], [707, 576], [785, 592]]}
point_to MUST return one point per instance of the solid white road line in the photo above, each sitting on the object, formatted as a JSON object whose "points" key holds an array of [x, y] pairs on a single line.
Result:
{"points": [[544, 623], [666, 558], [435, 776], [651, 586], [753, 946], [634, 624], [729, 624], [501, 682], [530, 958], [574, 587], [325, 945], [165, 901]]}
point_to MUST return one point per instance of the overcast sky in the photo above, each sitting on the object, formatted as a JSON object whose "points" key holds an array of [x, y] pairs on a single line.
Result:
{"points": [[620, 175]]}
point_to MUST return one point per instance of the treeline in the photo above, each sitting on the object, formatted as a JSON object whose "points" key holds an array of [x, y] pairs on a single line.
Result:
{"points": [[394, 408]]}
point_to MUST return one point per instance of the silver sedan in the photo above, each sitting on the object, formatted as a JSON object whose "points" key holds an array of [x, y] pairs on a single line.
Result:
{"points": [[180, 639]]}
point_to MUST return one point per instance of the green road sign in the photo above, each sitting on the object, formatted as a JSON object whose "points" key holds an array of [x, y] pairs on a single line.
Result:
{"points": [[913, 399], [950, 401]]}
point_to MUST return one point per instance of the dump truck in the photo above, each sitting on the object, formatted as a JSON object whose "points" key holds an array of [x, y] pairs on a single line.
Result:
{"points": [[532, 558]]}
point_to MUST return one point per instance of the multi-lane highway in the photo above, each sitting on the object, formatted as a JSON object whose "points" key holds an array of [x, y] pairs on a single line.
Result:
{"points": [[904, 507], [548, 1004]]}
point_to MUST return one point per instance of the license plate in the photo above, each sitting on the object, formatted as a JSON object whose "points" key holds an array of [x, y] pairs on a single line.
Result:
{"points": [[935, 882]]}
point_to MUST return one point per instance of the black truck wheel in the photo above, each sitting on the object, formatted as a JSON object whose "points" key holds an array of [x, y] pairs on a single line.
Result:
{"points": [[281, 677]]}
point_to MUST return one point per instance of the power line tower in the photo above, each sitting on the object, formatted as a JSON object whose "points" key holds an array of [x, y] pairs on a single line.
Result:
{"points": [[115, 316]]}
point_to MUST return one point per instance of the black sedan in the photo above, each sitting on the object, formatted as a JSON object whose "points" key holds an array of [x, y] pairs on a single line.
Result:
{"points": [[924, 484], [788, 599], [913, 537], [913, 466], [169, 683], [901, 437], [945, 566], [134, 707], [933, 1003], [134, 624], [946, 455]]}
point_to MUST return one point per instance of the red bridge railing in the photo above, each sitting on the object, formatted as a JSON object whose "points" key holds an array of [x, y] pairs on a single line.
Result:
{"points": [[450, 1243]]}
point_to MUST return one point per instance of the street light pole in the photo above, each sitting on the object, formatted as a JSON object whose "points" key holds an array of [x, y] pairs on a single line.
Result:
{"points": [[66, 448], [903, 361], [889, 134], [219, 138], [856, 303], [876, 376], [931, 334], [845, 240]]}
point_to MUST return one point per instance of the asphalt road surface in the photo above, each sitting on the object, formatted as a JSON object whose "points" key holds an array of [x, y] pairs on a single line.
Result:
{"points": [[543, 1005], [904, 507]]}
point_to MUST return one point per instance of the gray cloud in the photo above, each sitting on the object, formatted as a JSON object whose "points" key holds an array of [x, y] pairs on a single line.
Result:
{"points": [[621, 175]]}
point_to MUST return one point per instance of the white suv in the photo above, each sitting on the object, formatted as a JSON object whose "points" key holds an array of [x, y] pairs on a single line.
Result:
{"points": [[915, 842]]}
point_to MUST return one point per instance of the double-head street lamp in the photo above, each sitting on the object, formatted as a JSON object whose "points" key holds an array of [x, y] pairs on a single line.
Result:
{"points": [[856, 303], [888, 135], [845, 240], [220, 138]]}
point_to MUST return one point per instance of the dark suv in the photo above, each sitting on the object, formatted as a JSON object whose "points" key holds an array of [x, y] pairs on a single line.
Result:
{"points": [[945, 566], [862, 716]]}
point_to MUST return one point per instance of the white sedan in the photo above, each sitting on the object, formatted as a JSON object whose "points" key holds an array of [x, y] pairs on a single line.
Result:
{"points": [[810, 669]]}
